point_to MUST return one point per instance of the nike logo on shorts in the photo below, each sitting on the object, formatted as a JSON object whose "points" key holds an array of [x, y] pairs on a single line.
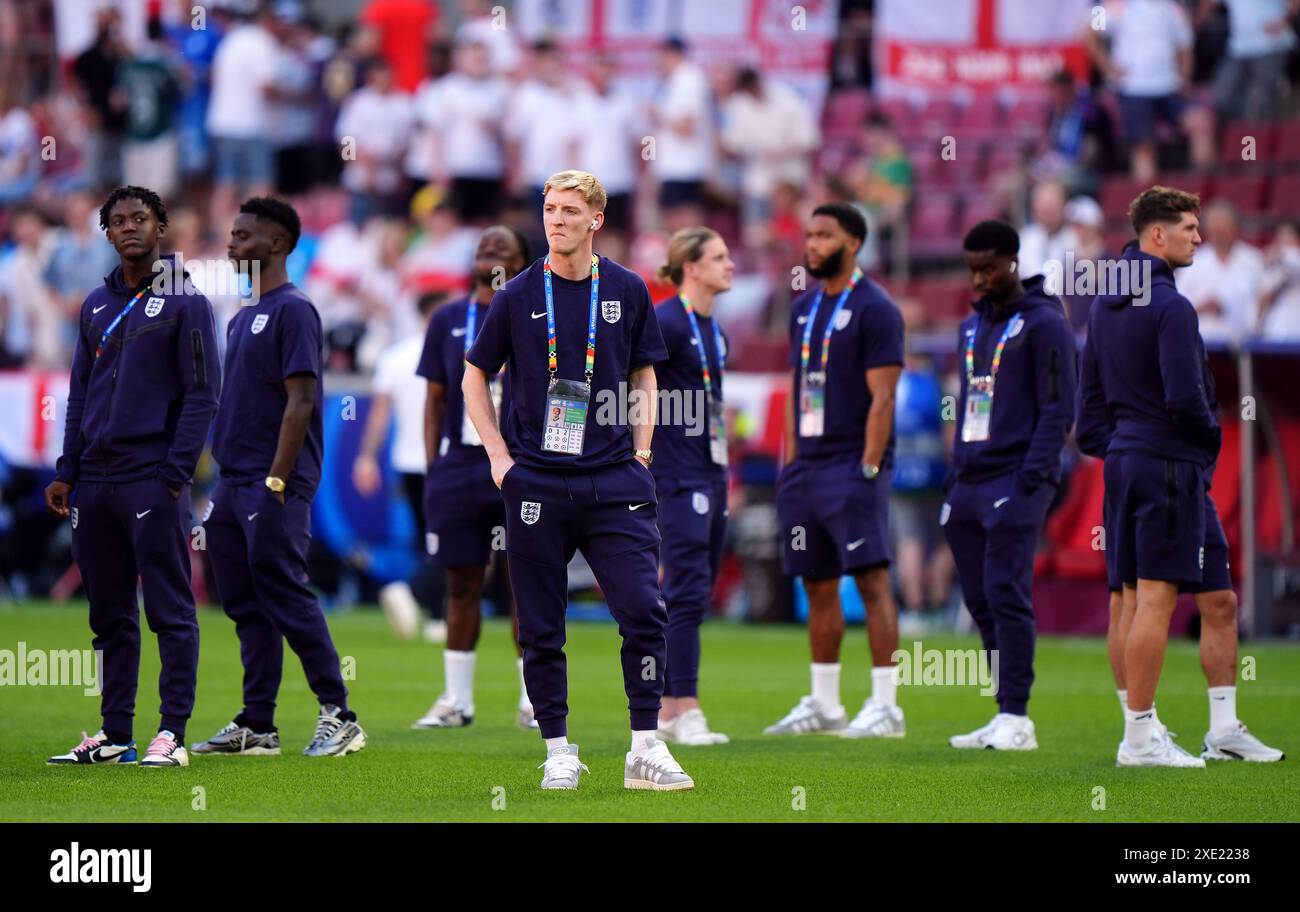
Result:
{"points": [[458, 332], [539, 316], [855, 545], [96, 310], [801, 319], [1000, 501], [252, 516], [638, 506], [144, 514]]}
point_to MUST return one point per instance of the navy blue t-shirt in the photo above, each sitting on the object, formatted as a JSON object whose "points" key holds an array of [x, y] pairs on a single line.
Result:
{"points": [[681, 447], [265, 344], [868, 334], [514, 334], [443, 361]]}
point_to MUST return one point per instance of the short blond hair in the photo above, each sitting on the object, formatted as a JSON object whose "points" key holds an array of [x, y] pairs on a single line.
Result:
{"points": [[593, 192]]}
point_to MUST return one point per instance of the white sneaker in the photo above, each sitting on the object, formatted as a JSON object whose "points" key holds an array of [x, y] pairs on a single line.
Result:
{"points": [[1161, 752], [526, 718], [1239, 744], [562, 768], [977, 739], [655, 770], [435, 632], [164, 751], [445, 714], [810, 717], [401, 609], [1012, 733], [692, 729], [876, 721]]}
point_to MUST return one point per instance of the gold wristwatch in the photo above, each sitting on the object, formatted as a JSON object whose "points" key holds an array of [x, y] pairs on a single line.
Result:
{"points": [[647, 455], [276, 485]]}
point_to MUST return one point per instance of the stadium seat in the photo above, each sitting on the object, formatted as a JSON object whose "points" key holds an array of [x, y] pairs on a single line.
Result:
{"points": [[1190, 181], [983, 112], [1288, 144], [931, 229], [1244, 191], [1118, 192], [1283, 198], [1231, 147], [846, 111]]}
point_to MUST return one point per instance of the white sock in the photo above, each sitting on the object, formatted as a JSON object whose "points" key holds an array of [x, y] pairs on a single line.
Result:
{"points": [[459, 668], [1223, 709], [553, 743], [1137, 728], [524, 702], [642, 741], [1123, 699], [826, 684], [884, 685]]}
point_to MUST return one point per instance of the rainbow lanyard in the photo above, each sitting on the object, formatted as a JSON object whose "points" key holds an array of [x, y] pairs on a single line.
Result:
{"points": [[704, 358], [1012, 325], [552, 362], [99, 349], [806, 350]]}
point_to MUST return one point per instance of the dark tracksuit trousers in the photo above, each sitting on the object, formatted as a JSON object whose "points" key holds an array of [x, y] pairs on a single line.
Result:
{"points": [[258, 548], [610, 515], [692, 526], [121, 532], [992, 528]]}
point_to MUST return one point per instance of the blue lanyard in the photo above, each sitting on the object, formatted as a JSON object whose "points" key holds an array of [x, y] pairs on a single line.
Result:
{"points": [[699, 341], [471, 318], [551, 342], [99, 349], [805, 350]]}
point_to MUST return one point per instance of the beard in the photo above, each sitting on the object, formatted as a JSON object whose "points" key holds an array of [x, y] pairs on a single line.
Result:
{"points": [[830, 266]]}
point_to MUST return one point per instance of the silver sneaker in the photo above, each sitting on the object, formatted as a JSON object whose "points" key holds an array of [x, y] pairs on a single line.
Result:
{"points": [[690, 728], [656, 770], [444, 714], [809, 717], [562, 768], [1161, 751], [240, 739], [334, 737], [526, 719], [876, 721], [1239, 744]]}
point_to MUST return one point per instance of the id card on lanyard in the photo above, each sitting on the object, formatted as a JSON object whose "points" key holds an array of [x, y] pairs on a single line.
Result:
{"points": [[568, 401], [717, 419], [469, 435], [978, 415], [812, 385]]}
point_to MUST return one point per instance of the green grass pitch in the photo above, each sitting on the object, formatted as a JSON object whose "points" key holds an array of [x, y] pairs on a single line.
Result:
{"points": [[751, 676]]}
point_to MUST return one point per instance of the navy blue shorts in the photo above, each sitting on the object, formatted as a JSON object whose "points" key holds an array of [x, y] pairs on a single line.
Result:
{"points": [[465, 514], [1140, 114], [833, 521], [1156, 508]]}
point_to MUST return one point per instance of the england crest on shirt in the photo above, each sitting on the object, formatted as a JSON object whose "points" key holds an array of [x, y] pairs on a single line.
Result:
{"points": [[611, 310], [700, 502], [431, 542], [842, 318], [153, 307], [530, 512], [259, 323]]}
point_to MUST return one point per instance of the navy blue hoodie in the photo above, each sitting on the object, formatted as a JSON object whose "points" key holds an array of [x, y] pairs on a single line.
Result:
{"points": [[1146, 385], [143, 407], [1033, 399]]}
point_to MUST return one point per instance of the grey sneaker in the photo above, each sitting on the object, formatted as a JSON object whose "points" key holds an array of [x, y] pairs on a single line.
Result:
{"points": [[810, 717], [562, 768], [240, 739], [876, 721], [1239, 744], [526, 719], [656, 770], [444, 714], [334, 737]]}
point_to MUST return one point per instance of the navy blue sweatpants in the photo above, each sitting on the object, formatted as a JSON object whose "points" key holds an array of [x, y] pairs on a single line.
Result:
{"points": [[992, 528], [609, 514], [692, 527], [121, 532], [258, 548]]}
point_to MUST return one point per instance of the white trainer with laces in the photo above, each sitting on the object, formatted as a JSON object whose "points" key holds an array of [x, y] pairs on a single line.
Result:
{"points": [[809, 717], [654, 769], [445, 714], [164, 751], [1239, 744], [562, 768], [977, 739], [1162, 751], [692, 729], [1012, 733], [876, 721]]}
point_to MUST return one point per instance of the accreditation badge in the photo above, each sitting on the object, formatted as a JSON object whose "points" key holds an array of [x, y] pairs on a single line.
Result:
{"points": [[717, 433], [566, 416], [812, 405], [979, 410], [469, 435]]}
